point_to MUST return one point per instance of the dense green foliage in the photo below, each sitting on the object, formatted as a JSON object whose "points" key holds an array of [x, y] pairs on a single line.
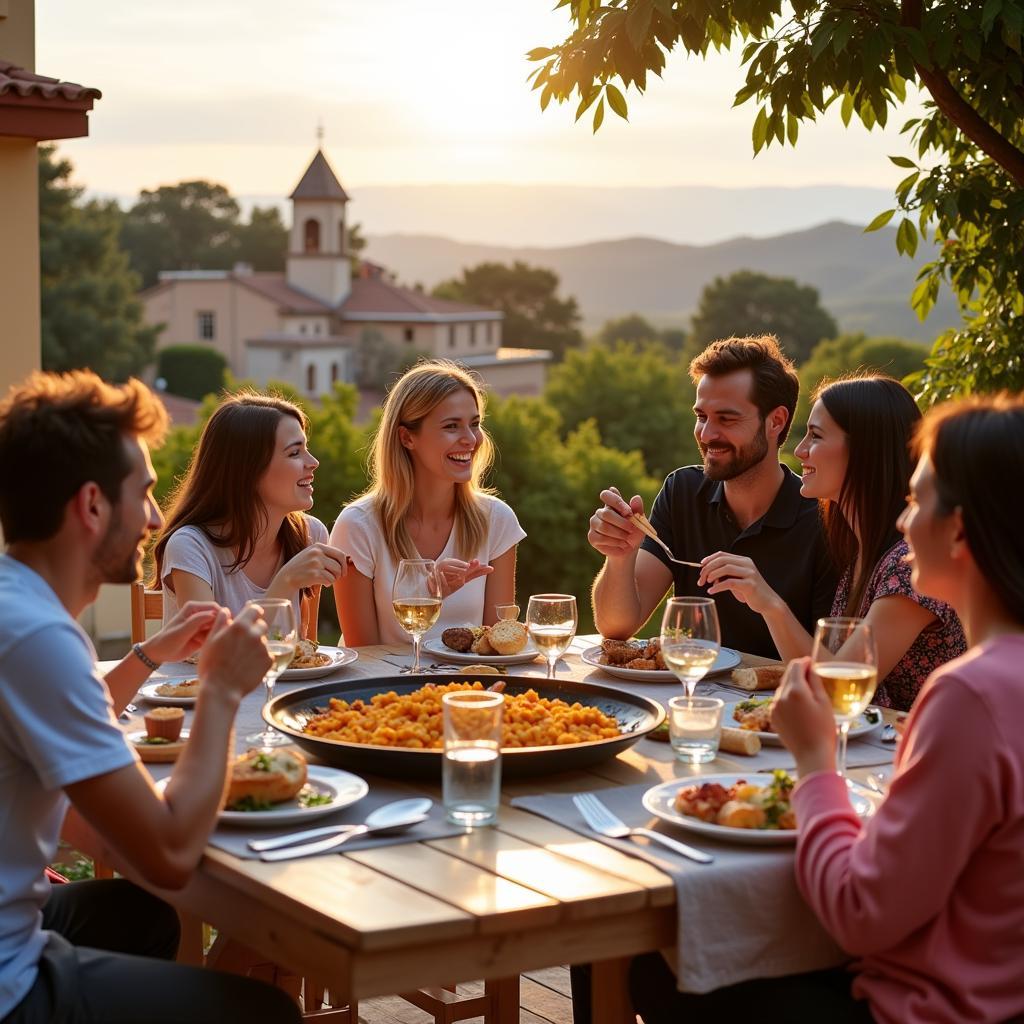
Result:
{"points": [[192, 371], [535, 317], [965, 189], [749, 303], [90, 316], [636, 328]]}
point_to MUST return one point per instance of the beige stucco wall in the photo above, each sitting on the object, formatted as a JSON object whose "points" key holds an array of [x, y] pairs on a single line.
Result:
{"points": [[239, 313], [514, 378], [18, 33]]}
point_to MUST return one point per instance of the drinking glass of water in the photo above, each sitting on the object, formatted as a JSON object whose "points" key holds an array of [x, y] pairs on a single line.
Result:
{"points": [[690, 638], [695, 728], [416, 597], [551, 620], [845, 659], [282, 636], [471, 776]]}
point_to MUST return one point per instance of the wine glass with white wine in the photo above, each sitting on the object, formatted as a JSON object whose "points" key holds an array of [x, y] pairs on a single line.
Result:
{"points": [[282, 637], [551, 621], [846, 661], [690, 638], [416, 597]]}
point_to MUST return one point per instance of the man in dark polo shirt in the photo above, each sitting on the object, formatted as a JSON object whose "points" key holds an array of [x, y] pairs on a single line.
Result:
{"points": [[742, 500]]}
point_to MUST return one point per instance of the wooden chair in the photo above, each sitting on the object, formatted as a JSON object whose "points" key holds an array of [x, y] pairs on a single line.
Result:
{"points": [[146, 605]]}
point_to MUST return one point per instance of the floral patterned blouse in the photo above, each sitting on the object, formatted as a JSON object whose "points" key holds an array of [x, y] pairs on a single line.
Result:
{"points": [[934, 646]]}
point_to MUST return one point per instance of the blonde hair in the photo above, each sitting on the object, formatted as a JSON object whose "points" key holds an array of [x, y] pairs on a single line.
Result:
{"points": [[415, 395]]}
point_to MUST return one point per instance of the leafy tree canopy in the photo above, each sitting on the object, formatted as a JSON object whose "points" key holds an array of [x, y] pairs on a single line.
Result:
{"points": [[748, 303], [965, 186], [634, 328], [192, 371], [90, 316], [641, 396], [263, 242], [535, 317]]}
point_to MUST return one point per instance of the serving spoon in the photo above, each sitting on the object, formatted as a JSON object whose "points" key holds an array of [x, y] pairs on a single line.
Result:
{"points": [[393, 817]]}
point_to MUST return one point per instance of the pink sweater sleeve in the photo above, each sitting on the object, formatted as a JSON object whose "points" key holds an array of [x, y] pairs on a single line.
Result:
{"points": [[872, 885]]}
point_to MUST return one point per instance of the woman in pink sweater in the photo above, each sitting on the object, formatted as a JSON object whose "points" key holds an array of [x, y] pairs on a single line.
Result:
{"points": [[928, 895]]}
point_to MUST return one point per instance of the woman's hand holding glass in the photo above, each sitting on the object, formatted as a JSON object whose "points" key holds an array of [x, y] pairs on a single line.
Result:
{"points": [[282, 634], [690, 638], [551, 621], [416, 598], [803, 719]]}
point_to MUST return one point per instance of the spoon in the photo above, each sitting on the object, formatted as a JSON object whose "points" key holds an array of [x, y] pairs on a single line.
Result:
{"points": [[393, 817]]}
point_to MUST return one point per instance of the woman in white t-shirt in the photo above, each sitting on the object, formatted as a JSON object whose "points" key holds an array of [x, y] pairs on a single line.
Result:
{"points": [[237, 529], [426, 500]]}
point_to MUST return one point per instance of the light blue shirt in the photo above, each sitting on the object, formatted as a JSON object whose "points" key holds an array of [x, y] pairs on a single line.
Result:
{"points": [[57, 727]]}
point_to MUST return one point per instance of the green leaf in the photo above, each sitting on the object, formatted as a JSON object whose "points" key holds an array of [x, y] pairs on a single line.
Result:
{"points": [[760, 132], [539, 53], [587, 100], [846, 110], [792, 129], [880, 221], [599, 115], [906, 237], [902, 161], [989, 14], [616, 101], [842, 35], [638, 23]]}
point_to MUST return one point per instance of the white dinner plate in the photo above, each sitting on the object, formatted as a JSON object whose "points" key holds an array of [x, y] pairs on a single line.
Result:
{"points": [[340, 657], [861, 727], [148, 692], [342, 787], [727, 658], [436, 649], [661, 802]]}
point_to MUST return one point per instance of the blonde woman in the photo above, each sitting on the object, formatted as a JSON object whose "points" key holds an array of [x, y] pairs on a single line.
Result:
{"points": [[426, 500]]}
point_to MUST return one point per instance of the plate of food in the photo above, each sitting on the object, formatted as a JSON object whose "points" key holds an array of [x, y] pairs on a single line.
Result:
{"points": [[753, 809], [641, 660], [163, 739], [172, 692], [312, 661], [754, 715], [393, 725], [277, 787], [504, 643]]}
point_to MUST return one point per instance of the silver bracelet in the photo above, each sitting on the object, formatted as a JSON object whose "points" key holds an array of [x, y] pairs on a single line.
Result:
{"points": [[144, 657]]}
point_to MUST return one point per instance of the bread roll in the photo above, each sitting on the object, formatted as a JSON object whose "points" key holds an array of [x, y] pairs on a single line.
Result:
{"points": [[739, 741], [481, 645], [507, 636], [270, 776], [764, 677]]}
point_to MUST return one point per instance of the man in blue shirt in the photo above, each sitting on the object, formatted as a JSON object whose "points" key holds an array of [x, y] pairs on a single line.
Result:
{"points": [[76, 507]]}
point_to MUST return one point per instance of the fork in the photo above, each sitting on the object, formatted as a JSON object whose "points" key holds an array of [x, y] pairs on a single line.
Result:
{"points": [[644, 526], [600, 819]]}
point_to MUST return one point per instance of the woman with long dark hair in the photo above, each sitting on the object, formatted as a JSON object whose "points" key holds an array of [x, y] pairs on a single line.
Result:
{"points": [[237, 529], [855, 459], [928, 893]]}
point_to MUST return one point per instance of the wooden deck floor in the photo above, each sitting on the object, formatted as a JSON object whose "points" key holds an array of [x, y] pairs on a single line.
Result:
{"points": [[544, 999]]}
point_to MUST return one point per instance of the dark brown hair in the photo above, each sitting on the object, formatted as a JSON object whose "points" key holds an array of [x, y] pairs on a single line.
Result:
{"points": [[219, 493], [775, 378], [878, 416], [976, 446], [60, 431]]}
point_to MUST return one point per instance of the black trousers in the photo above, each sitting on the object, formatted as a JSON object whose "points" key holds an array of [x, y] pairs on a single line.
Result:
{"points": [[108, 960], [796, 999]]}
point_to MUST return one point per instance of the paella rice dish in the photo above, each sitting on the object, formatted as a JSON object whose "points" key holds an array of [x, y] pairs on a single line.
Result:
{"points": [[414, 720]]}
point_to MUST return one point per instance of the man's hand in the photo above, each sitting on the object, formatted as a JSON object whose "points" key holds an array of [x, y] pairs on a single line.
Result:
{"points": [[802, 717], [235, 658], [613, 532], [185, 633], [735, 574], [453, 573]]}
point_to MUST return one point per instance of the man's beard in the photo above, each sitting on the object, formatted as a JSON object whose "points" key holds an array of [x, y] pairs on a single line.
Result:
{"points": [[117, 556], [741, 460]]}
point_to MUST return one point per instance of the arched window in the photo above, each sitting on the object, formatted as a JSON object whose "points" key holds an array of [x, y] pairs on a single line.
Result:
{"points": [[334, 372], [311, 378], [311, 235]]}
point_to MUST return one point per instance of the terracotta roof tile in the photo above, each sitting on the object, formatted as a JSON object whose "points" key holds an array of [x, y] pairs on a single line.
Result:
{"points": [[319, 182], [275, 287], [20, 82], [375, 295]]}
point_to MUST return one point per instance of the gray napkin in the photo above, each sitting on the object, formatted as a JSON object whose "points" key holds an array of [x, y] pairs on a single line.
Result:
{"points": [[235, 840], [741, 917]]}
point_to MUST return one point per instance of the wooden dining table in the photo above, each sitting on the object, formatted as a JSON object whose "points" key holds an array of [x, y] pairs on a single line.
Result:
{"points": [[492, 903]]}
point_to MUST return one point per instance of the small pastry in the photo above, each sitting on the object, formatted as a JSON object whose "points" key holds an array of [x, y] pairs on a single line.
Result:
{"points": [[164, 723]]}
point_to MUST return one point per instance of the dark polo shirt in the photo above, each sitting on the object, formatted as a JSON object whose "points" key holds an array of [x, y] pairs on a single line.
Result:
{"points": [[786, 544]]}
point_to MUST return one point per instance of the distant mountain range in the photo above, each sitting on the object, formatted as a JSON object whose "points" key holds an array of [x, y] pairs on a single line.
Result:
{"points": [[862, 280]]}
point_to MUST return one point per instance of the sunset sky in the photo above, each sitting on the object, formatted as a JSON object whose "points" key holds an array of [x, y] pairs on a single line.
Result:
{"points": [[409, 93]]}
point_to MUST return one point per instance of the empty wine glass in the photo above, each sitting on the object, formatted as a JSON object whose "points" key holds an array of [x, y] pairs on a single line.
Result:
{"points": [[551, 620], [416, 597], [845, 659], [690, 638], [282, 637]]}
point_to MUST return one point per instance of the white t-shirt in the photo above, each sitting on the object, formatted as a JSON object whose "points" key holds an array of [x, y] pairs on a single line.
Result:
{"points": [[190, 550], [358, 533], [57, 727]]}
